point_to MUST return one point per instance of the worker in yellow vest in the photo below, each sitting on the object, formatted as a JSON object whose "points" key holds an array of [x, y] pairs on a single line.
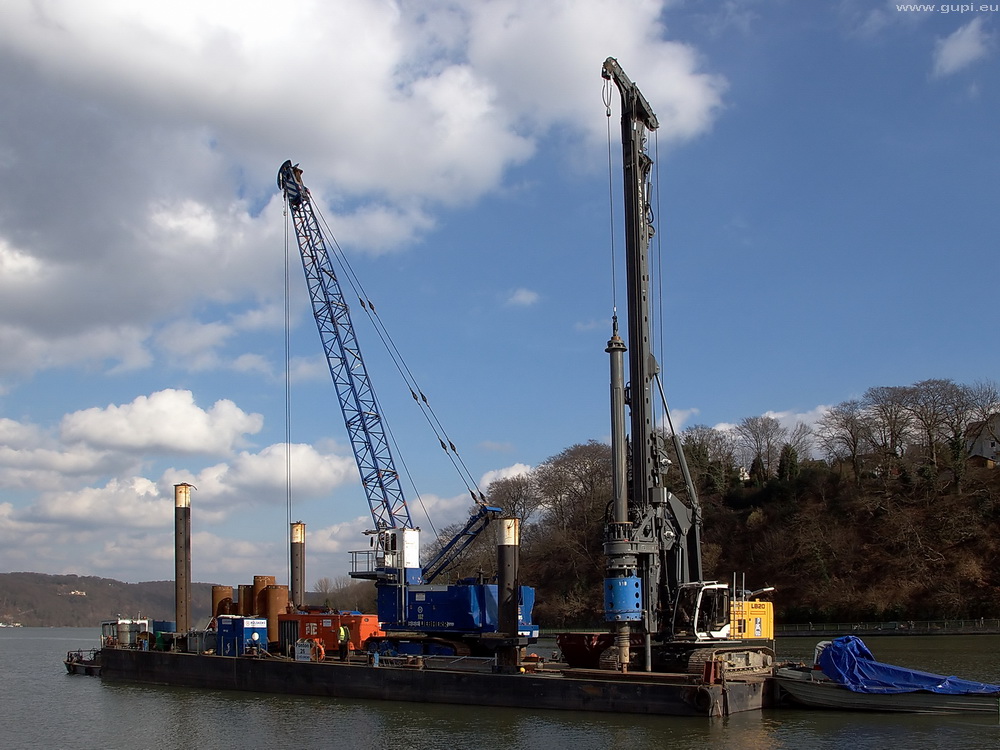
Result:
{"points": [[344, 641]]}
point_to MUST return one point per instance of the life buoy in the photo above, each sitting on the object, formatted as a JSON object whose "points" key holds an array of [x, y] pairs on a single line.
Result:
{"points": [[318, 652]]}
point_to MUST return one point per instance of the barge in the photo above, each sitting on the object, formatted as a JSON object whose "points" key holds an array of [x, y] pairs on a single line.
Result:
{"points": [[453, 680]]}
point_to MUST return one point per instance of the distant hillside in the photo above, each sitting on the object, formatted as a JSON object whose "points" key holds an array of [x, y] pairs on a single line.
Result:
{"points": [[39, 600]]}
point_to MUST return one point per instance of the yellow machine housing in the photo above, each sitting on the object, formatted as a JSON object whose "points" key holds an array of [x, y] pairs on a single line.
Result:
{"points": [[751, 620]]}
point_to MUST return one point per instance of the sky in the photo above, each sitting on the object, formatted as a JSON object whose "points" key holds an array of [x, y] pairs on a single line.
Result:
{"points": [[825, 206]]}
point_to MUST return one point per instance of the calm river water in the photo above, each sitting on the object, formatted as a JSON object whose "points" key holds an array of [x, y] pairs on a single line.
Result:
{"points": [[43, 707]]}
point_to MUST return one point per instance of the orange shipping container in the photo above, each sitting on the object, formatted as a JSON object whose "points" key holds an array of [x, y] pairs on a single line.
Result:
{"points": [[326, 628]]}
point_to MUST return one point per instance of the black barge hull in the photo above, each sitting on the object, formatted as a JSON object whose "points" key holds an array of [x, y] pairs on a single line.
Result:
{"points": [[573, 690]]}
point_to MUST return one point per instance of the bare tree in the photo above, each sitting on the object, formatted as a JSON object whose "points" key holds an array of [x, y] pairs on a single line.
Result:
{"points": [[517, 495], [928, 403], [891, 423], [575, 486], [960, 413], [984, 396], [844, 433], [801, 440], [761, 438], [479, 558], [351, 595]]}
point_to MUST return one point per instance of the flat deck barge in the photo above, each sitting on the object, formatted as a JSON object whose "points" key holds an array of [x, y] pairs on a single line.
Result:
{"points": [[442, 680]]}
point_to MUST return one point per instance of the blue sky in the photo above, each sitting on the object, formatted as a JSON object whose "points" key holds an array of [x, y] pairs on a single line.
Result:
{"points": [[826, 216]]}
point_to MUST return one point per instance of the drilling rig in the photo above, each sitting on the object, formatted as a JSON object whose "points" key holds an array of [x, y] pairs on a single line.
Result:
{"points": [[662, 614]]}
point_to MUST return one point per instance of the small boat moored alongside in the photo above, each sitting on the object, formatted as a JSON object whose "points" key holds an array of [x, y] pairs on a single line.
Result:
{"points": [[846, 676], [84, 661]]}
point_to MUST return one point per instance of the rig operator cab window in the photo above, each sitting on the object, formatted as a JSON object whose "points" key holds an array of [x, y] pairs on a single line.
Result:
{"points": [[701, 612]]}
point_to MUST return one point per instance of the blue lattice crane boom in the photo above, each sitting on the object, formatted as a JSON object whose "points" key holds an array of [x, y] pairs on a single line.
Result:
{"points": [[358, 403], [417, 617]]}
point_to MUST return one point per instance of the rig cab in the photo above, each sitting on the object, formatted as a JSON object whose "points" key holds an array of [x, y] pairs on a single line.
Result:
{"points": [[702, 612]]}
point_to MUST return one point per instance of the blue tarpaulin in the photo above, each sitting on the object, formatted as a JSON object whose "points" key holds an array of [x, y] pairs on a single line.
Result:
{"points": [[848, 661]]}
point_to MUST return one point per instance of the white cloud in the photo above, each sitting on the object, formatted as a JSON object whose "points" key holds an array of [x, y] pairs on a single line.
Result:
{"points": [[133, 502], [441, 511], [560, 47], [25, 435], [514, 470], [680, 417], [32, 459], [313, 473], [193, 344], [35, 467], [253, 363], [382, 228], [27, 349], [17, 268], [787, 419], [118, 519], [308, 369], [596, 324], [254, 480], [168, 420], [139, 555], [960, 49], [338, 538], [267, 317], [188, 221], [522, 298]]}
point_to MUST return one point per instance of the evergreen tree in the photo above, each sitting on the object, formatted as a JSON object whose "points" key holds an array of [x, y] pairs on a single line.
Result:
{"points": [[788, 463], [758, 473]]}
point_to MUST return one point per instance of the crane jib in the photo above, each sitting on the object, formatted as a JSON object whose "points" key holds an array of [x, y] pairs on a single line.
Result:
{"points": [[358, 404]]}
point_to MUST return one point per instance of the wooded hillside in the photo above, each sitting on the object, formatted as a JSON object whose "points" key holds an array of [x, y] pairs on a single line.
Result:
{"points": [[891, 518]]}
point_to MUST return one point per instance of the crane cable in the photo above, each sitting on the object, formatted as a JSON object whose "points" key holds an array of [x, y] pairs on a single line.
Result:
{"points": [[400, 363], [423, 403], [338, 254], [288, 394], [656, 320], [607, 96], [660, 328]]}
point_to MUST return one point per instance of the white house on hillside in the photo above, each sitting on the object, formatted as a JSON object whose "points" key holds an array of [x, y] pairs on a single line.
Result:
{"points": [[983, 440]]}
